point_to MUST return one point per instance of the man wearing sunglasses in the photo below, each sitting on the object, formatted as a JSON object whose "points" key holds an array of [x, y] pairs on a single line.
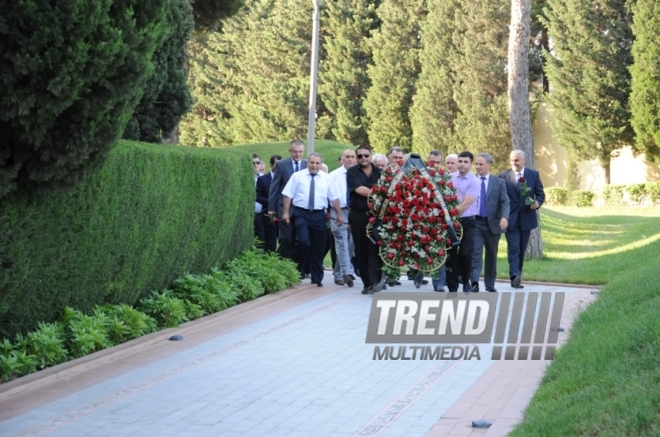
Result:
{"points": [[283, 172], [360, 178]]}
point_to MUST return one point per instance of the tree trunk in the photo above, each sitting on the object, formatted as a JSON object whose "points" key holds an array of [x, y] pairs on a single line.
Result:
{"points": [[520, 120]]}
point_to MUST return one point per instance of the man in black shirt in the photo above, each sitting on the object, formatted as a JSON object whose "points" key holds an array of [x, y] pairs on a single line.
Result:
{"points": [[359, 179]]}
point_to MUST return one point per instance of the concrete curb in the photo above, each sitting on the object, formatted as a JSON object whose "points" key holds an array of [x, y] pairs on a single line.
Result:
{"points": [[64, 370]]}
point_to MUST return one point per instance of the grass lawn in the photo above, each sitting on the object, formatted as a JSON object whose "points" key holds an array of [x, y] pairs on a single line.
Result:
{"points": [[331, 150], [591, 245], [606, 379]]}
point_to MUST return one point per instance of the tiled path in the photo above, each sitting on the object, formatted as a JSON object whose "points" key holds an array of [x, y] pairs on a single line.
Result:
{"points": [[290, 364]]}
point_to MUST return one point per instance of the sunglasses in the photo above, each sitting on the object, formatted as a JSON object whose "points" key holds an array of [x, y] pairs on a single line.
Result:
{"points": [[256, 162], [365, 155]]}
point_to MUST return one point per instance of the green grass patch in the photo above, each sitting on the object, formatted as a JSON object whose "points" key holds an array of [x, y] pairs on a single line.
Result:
{"points": [[591, 245], [331, 150], [606, 380]]}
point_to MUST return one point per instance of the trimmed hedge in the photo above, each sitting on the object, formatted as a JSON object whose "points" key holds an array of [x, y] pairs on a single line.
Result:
{"points": [[151, 214], [555, 196]]}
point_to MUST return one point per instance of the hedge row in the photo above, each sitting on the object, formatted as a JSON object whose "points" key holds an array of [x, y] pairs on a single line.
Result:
{"points": [[152, 213]]}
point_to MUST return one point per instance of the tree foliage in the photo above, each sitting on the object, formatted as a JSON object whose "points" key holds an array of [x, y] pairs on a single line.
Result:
{"points": [[396, 47], [589, 77], [166, 98], [254, 77], [72, 73], [645, 74], [343, 79]]}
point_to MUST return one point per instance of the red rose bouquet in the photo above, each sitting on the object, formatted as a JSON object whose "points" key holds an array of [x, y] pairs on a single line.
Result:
{"points": [[413, 232]]}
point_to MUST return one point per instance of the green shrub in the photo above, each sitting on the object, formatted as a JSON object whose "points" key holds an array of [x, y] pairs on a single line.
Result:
{"points": [[152, 213], [582, 198], [265, 268], [126, 323], [613, 194], [636, 192], [46, 344], [556, 196], [247, 287], [653, 192], [167, 309], [85, 334]]}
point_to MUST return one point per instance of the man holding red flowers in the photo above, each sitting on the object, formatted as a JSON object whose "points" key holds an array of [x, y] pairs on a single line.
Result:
{"points": [[526, 195]]}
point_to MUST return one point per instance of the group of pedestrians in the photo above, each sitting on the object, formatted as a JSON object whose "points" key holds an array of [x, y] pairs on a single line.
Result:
{"points": [[304, 199]]}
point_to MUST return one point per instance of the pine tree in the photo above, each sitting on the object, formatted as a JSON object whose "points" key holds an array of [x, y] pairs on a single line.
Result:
{"points": [[645, 73], [589, 77], [255, 76], [71, 74], [167, 97], [396, 49], [346, 26], [434, 108], [481, 39]]}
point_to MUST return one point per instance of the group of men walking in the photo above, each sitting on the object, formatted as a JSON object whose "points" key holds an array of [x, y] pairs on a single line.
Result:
{"points": [[300, 195]]}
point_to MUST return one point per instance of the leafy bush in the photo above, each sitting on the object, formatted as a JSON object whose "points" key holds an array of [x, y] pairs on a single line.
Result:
{"points": [[207, 291], [636, 192], [167, 309], [613, 194], [582, 198], [46, 344], [556, 196], [126, 323], [86, 334], [269, 270], [653, 192]]}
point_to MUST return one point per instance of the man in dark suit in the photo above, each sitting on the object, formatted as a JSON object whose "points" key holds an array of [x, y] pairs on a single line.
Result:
{"points": [[526, 195], [283, 172], [491, 221], [263, 191]]}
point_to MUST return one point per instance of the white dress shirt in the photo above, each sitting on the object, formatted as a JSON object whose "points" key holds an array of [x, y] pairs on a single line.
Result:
{"points": [[297, 189], [339, 178]]}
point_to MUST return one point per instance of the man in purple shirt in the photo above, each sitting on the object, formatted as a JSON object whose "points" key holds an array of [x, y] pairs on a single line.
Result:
{"points": [[459, 259]]}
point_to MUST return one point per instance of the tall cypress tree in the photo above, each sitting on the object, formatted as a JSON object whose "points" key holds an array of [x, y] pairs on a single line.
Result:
{"points": [[71, 74], [481, 39], [167, 97], [396, 47], [346, 26], [256, 75], [589, 76], [645, 73], [434, 109]]}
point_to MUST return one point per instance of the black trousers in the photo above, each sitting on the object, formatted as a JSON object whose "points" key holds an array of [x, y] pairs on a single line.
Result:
{"points": [[311, 233], [366, 253], [270, 233], [287, 239], [459, 258]]}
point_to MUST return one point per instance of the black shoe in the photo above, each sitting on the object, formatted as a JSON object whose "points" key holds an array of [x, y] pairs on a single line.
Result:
{"points": [[491, 290], [453, 291], [440, 289], [475, 287], [367, 291], [424, 282], [419, 280], [348, 280], [318, 284], [515, 282]]}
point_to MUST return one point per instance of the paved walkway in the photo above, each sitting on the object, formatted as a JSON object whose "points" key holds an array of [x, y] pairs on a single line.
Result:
{"points": [[290, 364]]}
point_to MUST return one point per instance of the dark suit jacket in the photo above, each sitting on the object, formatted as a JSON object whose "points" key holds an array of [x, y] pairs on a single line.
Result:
{"points": [[518, 209], [283, 172], [497, 203], [263, 189]]}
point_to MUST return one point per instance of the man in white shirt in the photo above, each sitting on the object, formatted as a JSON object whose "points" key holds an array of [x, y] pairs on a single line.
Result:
{"points": [[309, 191], [343, 269]]}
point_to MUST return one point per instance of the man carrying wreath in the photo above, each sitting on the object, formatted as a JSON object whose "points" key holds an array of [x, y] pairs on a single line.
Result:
{"points": [[526, 195]]}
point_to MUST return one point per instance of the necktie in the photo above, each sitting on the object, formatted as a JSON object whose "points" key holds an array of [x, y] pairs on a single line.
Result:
{"points": [[311, 193], [482, 199], [298, 168]]}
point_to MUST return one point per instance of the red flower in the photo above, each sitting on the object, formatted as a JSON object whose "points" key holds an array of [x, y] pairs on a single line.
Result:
{"points": [[450, 185], [372, 219], [388, 179], [444, 226], [438, 238], [370, 205], [402, 263], [454, 212], [429, 260], [521, 180], [390, 255], [399, 237], [383, 189], [441, 252], [456, 225], [411, 243]]}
